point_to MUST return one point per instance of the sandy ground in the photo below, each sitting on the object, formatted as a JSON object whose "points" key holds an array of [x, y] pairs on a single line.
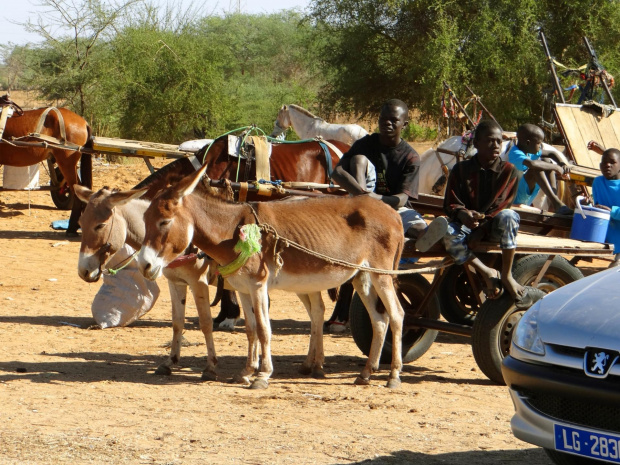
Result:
{"points": [[73, 395]]}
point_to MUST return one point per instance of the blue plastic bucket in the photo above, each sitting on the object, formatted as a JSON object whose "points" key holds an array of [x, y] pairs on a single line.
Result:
{"points": [[589, 224]]}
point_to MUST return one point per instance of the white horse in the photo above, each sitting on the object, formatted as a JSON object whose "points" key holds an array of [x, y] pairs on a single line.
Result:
{"points": [[308, 126], [437, 163]]}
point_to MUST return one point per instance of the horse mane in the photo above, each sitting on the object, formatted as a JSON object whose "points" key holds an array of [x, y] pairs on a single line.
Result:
{"points": [[304, 111]]}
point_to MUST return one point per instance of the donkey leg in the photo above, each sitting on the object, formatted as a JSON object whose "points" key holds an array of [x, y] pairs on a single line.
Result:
{"points": [[379, 322], [384, 286], [260, 304], [251, 365], [178, 294], [316, 355], [200, 290]]}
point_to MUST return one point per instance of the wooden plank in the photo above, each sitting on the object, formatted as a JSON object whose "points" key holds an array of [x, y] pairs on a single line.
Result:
{"points": [[610, 130], [136, 148], [588, 126], [572, 135]]}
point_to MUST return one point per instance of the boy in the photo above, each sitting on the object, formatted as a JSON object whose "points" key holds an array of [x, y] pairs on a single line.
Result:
{"points": [[606, 194], [478, 196], [387, 168], [529, 158]]}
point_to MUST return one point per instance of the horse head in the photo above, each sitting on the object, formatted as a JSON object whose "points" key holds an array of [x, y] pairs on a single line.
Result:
{"points": [[282, 123], [104, 231], [169, 226]]}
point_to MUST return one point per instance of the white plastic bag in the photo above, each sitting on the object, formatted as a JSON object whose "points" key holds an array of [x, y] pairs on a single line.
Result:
{"points": [[125, 296]]}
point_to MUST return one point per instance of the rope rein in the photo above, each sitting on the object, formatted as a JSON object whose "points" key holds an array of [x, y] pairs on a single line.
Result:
{"points": [[279, 240]]}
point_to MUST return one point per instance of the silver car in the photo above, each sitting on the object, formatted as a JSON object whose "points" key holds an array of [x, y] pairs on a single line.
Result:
{"points": [[563, 372]]}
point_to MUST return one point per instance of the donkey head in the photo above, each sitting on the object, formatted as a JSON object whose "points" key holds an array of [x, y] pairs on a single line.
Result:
{"points": [[169, 226], [102, 233]]}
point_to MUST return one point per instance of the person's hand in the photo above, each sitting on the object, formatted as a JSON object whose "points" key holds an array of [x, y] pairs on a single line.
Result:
{"points": [[470, 218], [565, 174], [603, 207], [595, 146]]}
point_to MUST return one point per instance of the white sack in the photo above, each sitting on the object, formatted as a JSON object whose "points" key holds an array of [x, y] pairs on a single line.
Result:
{"points": [[125, 296]]}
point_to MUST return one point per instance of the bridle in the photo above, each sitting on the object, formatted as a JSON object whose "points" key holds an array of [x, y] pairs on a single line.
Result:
{"points": [[105, 248]]}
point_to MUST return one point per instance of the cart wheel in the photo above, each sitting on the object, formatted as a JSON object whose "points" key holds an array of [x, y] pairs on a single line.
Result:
{"points": [[411, 289], [459, 304], [559, 273], [492, 333], [60, 192], [456, 296]]}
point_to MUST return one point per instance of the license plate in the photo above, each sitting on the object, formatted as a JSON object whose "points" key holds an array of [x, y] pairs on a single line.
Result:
{"points": [[587, 443]]}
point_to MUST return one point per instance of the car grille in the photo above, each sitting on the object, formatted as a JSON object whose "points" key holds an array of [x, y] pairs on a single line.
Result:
{"points": [[592, 414]]}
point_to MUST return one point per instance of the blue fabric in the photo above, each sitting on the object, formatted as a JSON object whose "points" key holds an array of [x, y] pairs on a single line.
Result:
{"points": [[504, 229], [607, 192], [516, 156], [60, 224]]}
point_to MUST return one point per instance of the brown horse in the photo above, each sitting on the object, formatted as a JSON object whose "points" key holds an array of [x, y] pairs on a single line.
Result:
{"points": [[69, 126], [327, 225]]}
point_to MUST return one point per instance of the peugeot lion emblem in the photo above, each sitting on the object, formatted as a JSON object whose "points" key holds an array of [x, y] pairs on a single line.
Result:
{"points": [[598, 362]]}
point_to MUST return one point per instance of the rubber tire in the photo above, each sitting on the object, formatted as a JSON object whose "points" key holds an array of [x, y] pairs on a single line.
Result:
{"points": [[62, 200], [459, 307], [492, 334], [562, 458], [458, 304], [560, 273], [416, 342]]}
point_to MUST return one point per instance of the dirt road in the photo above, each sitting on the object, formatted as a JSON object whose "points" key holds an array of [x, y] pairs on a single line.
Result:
{"points": [[73, 395]]}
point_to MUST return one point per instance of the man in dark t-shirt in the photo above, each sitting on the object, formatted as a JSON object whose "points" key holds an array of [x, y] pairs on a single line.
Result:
{"points": [[387, 168]]}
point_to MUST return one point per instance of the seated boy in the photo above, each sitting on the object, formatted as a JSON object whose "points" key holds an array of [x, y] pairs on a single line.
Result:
{"points": [[606, 193], [387, 168], [478, 196], [538, 173]]}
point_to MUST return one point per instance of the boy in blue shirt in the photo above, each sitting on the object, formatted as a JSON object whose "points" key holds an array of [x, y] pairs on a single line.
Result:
{"points": [[530, 159], [606, 194]]}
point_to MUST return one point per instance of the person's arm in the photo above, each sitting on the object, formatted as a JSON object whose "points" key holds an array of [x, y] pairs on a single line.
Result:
{"points": [[551, 152], [506, 190], [541, 165], [343, 178], [596, 147]]}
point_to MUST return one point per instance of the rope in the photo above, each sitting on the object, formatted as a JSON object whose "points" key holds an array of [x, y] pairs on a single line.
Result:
{"points": [[334, 261], [123, 264]]}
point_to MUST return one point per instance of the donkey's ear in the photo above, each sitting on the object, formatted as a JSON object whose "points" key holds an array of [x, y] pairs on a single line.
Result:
{"points": [[83, 193], [187, 185], [121, 198]]}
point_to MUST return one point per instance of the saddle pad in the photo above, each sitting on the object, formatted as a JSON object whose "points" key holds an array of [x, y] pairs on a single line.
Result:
{"points": [[262, 153]]}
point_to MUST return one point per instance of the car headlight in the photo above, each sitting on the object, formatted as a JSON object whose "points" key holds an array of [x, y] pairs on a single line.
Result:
{"points": [[525, 335]]}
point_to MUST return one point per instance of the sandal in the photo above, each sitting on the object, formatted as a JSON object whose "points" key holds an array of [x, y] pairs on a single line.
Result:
{"points": [[433, 234], [526, 300], [495, 291]]}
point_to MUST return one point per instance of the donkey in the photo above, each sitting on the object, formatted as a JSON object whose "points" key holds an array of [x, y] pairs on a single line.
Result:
{"points": [[346, 234], [113, 218]]}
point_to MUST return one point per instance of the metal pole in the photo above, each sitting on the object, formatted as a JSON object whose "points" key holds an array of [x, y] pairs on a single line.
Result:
{"points": [[461, 107], [556, 81], [598, 65], [481, 104]]}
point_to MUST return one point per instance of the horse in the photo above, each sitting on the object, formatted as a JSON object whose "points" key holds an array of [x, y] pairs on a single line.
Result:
{"points": [[273, 239], [112, 219], [306, 161], [308, 126], [62, 125]]}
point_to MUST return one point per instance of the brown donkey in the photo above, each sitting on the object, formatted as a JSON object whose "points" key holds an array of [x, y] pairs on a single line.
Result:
{"points": [[357, 230]]}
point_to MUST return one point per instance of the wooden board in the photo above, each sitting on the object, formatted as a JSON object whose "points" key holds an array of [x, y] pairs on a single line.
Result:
{"points": [[137, 148], [580, 125]]}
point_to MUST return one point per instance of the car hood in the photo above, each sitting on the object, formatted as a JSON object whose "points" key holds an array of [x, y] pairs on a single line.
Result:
{"points": [[585, 313]]}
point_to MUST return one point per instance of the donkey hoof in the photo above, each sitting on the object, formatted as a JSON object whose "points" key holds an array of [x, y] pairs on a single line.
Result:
{"points": [[208, 376], [163, 370], [393, 383], [259, 383], [305, 370], [318, 373], [359, 381]]}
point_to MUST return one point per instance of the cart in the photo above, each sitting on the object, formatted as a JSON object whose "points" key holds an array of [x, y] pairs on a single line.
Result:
{"points": [[539, 262]]}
